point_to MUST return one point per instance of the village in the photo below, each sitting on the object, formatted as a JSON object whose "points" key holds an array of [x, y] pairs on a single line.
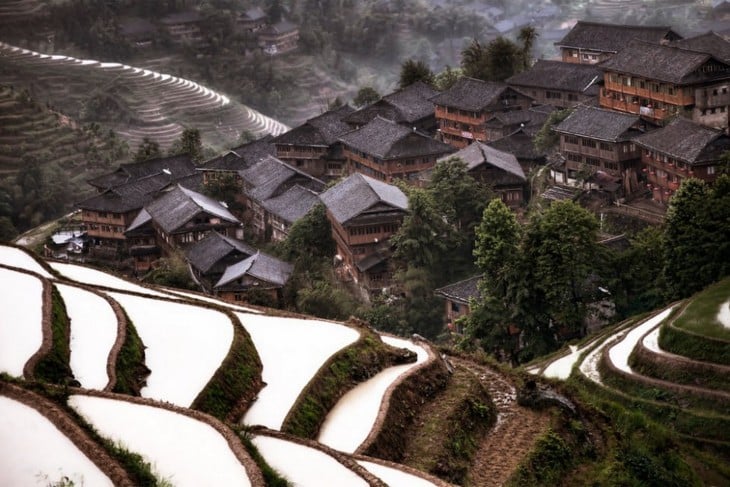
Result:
{"points": [[647, 109]]}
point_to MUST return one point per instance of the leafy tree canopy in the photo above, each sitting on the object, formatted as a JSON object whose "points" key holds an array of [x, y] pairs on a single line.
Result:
{"points": [[365, 96], [412, 71]]}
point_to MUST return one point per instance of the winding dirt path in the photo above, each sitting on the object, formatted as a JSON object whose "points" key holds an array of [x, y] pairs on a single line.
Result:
{"points": [[513, 436]]}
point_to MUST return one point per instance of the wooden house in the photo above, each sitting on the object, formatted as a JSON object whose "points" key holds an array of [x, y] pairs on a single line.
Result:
{"points": [[594, 42], [680, 150], [463, 109], [659, 82], [314, 146], [122, 193], [500, 170], [181, 217], [457, 297], [258, 278], [208, 258], [364, 214], [277, 194], [600, 143], [559, 84], [410, 106], [387, 151]]}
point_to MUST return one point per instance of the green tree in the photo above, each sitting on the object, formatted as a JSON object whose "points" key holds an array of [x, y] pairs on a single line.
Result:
{"points": [[189, 143], [226, 188], [561, 249], [546, 140], [309, 239], [527, 37], [424, 237], [496, 61], [412, 71], [365, 96], [275, 11], [696, 236], [446, 78], [148, 149]]}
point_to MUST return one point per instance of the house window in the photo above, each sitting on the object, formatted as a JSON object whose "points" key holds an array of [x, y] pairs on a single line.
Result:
{"points": [[710, 170], [575, 157], [606, 147], [569, 139], [592, 161], [611, 165], [589, 143]]}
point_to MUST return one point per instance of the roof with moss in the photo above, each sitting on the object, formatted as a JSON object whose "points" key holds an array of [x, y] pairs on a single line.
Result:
{"points": [[687, 141], [358, 194], [612, 38]]}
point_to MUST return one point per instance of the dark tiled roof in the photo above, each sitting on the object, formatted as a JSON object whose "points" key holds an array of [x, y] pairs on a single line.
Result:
{"points": [[129, 196], [477, 153], [386, 139], [599, 124], [358, 193], [557, 75], [513, 117], [657, 62], [176, 207], [612, 38], [205, 253], [261, 266], [710, 42], [174, 167], [292, 204], [471, 94], [323, 130], [257, 150], [372, 260], [460, 291], [413, 102], [267, 178], [380, 108], [687, 141], [519, 143]]}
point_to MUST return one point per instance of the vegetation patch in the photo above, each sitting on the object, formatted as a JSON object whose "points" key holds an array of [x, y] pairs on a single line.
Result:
{"points": [[702, 426], [549, 460], [54, 366], [408, 397], [654, 390], [693, 373], [272, 478], [130, 366], [236, 382], [701, 314], [347, 368], [697, 347], [465, 426]]}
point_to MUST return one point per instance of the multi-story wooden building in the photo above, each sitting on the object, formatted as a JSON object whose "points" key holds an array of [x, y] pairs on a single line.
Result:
{"points": [[364, 213], [410, 107], [277, 194], [559, 84], [314, 146], [122, 193], [463, 109], [659, 82], [181, 217], [593, 42], [678, 151], [593, 140], [500, 170], [387, 151]]}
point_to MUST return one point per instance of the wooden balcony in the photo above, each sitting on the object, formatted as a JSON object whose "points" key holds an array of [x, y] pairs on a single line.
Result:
{"points": [[678, 98], [657, 114]]}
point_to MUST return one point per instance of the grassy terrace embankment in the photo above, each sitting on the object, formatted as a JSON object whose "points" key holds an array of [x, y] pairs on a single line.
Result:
{"points": [[238, 379], [54, 366], [130, 367], [344, 370]]}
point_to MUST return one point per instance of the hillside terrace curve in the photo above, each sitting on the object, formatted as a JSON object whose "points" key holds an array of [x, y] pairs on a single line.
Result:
{"points": [[146, 98]]}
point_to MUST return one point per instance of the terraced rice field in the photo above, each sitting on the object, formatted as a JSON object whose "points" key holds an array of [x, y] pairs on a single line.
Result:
{"points": [[185, 341], [136, 103]]}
